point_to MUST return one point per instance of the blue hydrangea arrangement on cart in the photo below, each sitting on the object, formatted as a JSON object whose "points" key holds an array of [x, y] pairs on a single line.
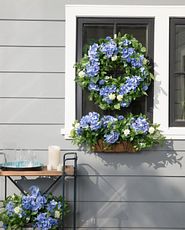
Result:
{"points": [[116, 72], [34, 210]]}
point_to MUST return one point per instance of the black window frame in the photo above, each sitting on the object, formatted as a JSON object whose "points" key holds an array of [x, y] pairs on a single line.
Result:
{"points": [[172, 71], [149, 22]]}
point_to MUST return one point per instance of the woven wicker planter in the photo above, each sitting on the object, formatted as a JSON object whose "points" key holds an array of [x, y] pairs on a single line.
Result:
{"points": [[114, 148]]}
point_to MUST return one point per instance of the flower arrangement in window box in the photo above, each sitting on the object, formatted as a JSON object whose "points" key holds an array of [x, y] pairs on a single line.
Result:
{"points": [[115, 71], [115, 133], [33, 210]]}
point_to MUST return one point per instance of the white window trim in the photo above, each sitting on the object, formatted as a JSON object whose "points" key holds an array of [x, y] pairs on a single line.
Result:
{"points": [[161, 56]]}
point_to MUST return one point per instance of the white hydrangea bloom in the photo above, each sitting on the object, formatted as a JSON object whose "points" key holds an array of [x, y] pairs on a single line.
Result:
{"points": [[151, 130], [119, 97], [77, 125], [57, 214], [114, 58], [81, 74], [126, 132], [17, 210], [112, 96]]}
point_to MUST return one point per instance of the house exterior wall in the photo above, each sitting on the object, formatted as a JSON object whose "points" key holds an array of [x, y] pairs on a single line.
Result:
{"points": [[115, 191]]}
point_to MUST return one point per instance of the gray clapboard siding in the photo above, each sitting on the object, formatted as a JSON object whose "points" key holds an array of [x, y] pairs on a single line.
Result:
{"points": [[32, 59], [32, 136], [32, 85], [31, 111], [121, 214], [39, 9], [134, 189], [32, 33], [146, 163]]}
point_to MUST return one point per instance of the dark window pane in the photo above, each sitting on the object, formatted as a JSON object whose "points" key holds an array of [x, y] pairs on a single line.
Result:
{"points": [[179, 98], [139, 32], [90, 34], [177, 72], [180, 48], [93, 32]]}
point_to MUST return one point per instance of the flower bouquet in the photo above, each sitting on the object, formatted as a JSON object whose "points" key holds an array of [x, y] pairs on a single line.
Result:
{"points": [[115, 133], [35, 210], [115, 71]]}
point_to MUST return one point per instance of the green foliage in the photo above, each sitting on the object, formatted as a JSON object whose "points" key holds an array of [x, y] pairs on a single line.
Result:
{"points": [[15, 215], [115, 69], [86, 137]]}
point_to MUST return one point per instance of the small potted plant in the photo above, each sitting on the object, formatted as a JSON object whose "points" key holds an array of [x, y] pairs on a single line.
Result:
{"points": [[34, 210], [115, 133]]}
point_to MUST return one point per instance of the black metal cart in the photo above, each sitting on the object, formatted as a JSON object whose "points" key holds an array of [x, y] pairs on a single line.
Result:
{"points": [[69, 170]]}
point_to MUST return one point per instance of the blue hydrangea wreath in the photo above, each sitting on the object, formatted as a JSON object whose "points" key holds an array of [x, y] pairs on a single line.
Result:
{"points": [[115, 71]]}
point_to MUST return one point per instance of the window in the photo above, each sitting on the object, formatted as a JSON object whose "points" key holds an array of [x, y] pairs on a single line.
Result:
{"points": [[177, 72], [169, 27], [89, 30]]}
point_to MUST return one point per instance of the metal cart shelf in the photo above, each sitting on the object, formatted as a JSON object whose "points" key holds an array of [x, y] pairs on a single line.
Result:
{"points": [[69, 170]]}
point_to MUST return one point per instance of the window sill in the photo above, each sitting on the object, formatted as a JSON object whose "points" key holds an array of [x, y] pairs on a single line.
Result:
{"points": [[175, 133]]}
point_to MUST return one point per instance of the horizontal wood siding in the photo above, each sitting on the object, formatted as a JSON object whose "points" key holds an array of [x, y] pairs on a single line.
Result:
{"points": [[36, 85], [32, 33], [35, 59], [115, 191], [34, 110]]}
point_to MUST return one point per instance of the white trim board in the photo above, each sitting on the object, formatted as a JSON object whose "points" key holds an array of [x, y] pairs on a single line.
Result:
{"points": [[161, 56]]}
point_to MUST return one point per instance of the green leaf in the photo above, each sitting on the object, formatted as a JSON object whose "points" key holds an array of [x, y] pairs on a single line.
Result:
{"points": [[145, 93], [143, 49], [102, 106], [117, 106], [152, 76]]}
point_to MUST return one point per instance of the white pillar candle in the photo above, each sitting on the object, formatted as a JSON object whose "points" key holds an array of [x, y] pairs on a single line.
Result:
{"points": [[53, 156]]}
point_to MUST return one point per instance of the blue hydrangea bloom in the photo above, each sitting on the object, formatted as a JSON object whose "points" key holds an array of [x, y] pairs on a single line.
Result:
{"points": [[101, 82], [126, 42], [34, 190], [92, 121], [112, 137], [52, 205], [84, 122], [109, 49], [93, 87], [35, 201], [79, 131], [10, 208], [93, 52], [105, 91], [120, 117], [142, 70], [41, 200], [35, 206], [137, 62], [43, 222], [130, 84], [140, 125], [145, 87], [108, 119], [108, 38], [26, 202], [92, 69], [127, 52], [124, 104]]}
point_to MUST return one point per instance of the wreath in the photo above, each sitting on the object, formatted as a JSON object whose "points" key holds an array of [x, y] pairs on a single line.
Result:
{"points": [[115, 71]]}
